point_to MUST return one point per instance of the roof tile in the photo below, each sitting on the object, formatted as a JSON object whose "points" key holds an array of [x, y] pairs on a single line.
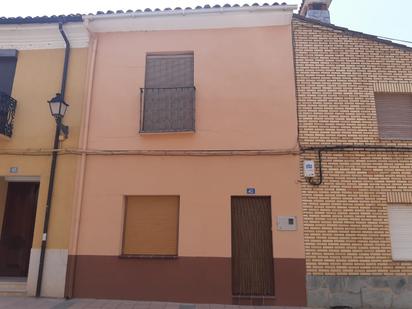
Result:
{"points": [[78, 17]]}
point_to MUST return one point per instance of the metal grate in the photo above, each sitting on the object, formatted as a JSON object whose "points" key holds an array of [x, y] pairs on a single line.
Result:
{"points": [[167, 109], [7, 112]]}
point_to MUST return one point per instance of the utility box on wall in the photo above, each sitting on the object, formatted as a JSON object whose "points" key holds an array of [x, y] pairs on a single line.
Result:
{"points": [[287, 223], [309, 168]]}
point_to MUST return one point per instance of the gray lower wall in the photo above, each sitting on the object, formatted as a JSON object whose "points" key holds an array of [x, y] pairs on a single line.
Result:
{"points": [[360, 291], [54, 273]]}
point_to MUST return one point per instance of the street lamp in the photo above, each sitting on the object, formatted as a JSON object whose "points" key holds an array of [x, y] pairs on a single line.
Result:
{"points": [[58, 108]]}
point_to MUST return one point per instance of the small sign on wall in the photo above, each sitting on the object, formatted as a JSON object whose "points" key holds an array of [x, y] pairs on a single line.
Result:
{"points": [[13, 170], [250, 191]]}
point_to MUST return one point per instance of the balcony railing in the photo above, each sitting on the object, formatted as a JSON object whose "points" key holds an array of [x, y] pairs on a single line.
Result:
{"points": [[167, 109], [7, 111]]}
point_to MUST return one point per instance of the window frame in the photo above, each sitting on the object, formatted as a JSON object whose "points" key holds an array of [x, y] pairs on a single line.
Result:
{"points": [[381, 133], [391, 232], [142, 96], [10, 56]]}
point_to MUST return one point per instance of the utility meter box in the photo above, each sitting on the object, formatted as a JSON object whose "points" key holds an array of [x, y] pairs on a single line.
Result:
{"points": [[309, 168], [287, 223]]}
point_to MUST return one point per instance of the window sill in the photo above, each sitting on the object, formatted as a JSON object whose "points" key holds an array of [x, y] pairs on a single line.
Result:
{"points": [[4, 138], [150, 257], [403, 260], [395, 140], [254, 296], [166, 132]]}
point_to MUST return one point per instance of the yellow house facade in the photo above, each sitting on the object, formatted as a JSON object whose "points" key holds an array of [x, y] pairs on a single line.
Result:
{"points": [[32, 53]]}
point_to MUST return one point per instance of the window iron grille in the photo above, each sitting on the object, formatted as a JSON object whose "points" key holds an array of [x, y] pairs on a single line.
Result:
{"points": [[7, 113], [168, 109]]}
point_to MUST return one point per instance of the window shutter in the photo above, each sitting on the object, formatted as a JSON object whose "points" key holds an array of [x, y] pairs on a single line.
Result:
{"points": [[151, 225], [8, 60], [400, 223], [169, 93], [169, 71], [394, 112]]}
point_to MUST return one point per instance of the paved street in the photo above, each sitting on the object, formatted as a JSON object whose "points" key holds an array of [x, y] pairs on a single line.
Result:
{"points": [[50, 303]]}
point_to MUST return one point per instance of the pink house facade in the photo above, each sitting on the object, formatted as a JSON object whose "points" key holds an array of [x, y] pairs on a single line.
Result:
{"points": [[189, 140]]}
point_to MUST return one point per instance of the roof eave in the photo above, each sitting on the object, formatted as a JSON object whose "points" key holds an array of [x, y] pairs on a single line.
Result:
{"points": [[40, 20], [222, 10]]}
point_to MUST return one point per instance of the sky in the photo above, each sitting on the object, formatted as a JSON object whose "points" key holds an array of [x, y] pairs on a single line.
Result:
{"points": [[386, 18]]}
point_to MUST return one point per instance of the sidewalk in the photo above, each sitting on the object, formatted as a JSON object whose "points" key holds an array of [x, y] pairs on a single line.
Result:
{"points": [[52, 303]]}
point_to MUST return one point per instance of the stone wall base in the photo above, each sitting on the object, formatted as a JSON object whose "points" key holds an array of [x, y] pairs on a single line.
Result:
{"points": [[360, 291]]}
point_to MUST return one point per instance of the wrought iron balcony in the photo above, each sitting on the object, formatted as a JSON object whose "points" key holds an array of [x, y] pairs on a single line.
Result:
{"points": [[167, 109], [7, 112]]}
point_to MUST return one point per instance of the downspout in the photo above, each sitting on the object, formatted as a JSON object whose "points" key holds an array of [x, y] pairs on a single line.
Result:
{"points": [[83, 143], [53, 165]]}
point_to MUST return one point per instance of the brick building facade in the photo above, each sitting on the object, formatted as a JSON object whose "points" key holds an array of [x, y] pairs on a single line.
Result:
{"points": [[350, 258]]}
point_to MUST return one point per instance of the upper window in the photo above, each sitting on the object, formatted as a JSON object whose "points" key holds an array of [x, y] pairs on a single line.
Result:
{"points": [[400, 218], [168, 99], [8, 59], [151, 225], [394, 113]]}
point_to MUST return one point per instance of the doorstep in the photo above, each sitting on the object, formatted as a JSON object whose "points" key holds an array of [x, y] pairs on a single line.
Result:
{"points": [[13, 286], [53, 303]]}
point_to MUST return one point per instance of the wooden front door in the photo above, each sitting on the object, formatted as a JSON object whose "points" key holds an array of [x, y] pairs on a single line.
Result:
{"points": [[252, 254], [18, 227]]}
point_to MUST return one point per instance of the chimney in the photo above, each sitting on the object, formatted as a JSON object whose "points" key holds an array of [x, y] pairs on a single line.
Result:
{"points": [[316, 9]]}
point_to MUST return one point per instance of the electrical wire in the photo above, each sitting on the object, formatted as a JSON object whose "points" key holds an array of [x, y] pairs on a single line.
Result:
{"points": [[109, 152], [392, 39], [366, 148]]}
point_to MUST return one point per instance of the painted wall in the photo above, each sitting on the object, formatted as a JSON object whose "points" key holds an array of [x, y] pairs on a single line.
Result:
{"points": [[204, 185], [245, 100], [203, 267], [244, 89], [37, 79]]}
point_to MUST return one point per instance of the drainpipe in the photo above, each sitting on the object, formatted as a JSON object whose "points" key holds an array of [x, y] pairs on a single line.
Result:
{"points": [[83, 144], [80, 179], [53, 165]]}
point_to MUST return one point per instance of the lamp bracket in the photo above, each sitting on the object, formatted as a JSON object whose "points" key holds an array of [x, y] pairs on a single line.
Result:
{"points": [[65, 130]]}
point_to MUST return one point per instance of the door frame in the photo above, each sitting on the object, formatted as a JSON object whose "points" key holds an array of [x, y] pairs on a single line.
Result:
{"points": [[25, 179], [271, 244]]}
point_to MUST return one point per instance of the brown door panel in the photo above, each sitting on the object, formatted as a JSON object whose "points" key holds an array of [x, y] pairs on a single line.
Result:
{"points": [[252, 253], [18, 227]]}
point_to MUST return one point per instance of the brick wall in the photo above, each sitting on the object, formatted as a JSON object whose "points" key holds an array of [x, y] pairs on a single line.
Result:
{"points": [[346, 220], [336, 76]]}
